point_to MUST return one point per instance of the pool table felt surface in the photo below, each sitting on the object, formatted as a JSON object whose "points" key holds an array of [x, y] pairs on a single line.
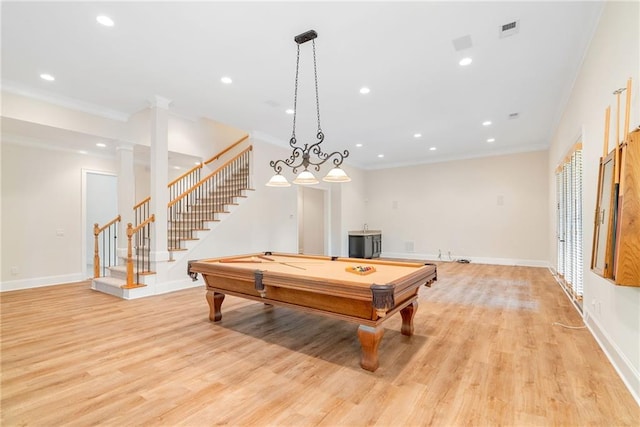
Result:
{"points": [[318, 268]]}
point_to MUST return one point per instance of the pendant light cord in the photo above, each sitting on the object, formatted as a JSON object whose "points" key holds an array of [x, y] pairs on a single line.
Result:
{"points": [[295, 97], [295, 93], [315, 74]]}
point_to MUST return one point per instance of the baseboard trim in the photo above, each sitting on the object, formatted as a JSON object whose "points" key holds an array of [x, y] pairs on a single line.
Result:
{"points": [[472, 259], [627, 373], [38, 282], [630, 377]]}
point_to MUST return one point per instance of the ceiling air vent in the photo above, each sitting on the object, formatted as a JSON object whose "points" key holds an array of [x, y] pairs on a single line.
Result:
{"points": [[509, 29], [514, 116], [462, 43]]}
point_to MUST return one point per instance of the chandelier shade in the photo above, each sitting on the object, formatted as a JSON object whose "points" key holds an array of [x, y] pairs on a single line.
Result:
{"points": [[305, 178], [305, 155], [336, 175], [278, 180]]}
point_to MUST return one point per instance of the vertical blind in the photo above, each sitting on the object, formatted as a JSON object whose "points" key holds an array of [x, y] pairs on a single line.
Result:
{"points": [[569, 221]]}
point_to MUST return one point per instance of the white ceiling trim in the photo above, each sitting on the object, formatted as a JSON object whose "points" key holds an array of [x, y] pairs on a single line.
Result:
{"points": [[62, 101]]}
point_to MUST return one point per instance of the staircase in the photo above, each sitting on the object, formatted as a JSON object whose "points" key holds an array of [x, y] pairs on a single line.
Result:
{"points": [[203, 210], [190, 217]]}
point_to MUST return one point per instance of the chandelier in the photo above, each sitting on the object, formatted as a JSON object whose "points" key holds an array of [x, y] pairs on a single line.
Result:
{"points": [[302, 157]]}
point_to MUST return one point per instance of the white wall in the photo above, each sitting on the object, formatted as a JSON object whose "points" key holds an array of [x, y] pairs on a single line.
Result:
{"points": [[353, 203], [41, 198], [203, 137], [491, 210], [611, 312]]}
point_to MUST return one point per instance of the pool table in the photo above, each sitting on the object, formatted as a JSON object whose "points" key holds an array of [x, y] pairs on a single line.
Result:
{"points": [[365, 292]]}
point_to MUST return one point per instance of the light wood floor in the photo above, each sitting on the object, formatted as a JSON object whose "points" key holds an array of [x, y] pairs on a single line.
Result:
{"points": [[485, 352]]}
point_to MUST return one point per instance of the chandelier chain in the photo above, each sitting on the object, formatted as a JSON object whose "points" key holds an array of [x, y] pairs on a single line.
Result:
{"points": [[295, 95], [315, 73]]}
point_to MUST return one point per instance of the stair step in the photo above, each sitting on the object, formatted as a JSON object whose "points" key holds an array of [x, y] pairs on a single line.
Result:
{"points": [[219, 198], [208, 203], [120, 272], [190, 224], [183, 239], [111, 281], [201, 215], [115, 287]]}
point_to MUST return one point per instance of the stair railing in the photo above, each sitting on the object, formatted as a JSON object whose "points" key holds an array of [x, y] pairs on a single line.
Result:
{"points": [[187, 180], [103, 236], [193, 208], [143, 262], [141, 211], [226, 150]]}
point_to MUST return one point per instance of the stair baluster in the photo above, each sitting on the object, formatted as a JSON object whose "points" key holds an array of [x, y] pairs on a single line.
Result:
{"points": [[109, 232], [142, 229]]}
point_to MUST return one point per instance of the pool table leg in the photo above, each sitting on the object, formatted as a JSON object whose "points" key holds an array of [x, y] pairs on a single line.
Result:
{"points": [[215, 303], [370, 338], [407, 314]]}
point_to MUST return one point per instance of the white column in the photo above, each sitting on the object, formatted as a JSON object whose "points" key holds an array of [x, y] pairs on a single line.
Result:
{"points": [[126, 192], [159, 171]]}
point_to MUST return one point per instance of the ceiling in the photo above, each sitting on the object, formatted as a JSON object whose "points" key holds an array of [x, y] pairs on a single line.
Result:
{"points": [[403, 51]]}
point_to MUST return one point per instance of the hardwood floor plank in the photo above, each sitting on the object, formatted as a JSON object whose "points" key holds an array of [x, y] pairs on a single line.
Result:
{"points": [[485, 352]]}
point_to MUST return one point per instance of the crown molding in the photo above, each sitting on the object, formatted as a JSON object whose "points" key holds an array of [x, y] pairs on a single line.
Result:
{"points": [[158, 101], [493, 153], [63, 101]]}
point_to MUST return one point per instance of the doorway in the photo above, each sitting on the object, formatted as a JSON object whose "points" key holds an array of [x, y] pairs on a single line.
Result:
{"points": [[311, 223], [101, 206]]}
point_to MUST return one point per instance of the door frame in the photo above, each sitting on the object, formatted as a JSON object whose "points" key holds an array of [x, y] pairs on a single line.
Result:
{"points": [[85, 172], [326, 217]]}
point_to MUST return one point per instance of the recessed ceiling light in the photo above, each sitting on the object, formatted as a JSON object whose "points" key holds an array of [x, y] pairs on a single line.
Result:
{"points": [[177, 167], [226, 80], [101, 145], [432, 149], [364, 90], [104, 20], [358, 145], [197, 163], [82, 152], [491, 140], [380, 155], [486, 123], [465, 61], [289, 111], [47, 77], [417, 135]]}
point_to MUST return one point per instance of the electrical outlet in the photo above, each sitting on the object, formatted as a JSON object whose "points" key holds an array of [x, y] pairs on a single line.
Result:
{"points": [[14, 270]]}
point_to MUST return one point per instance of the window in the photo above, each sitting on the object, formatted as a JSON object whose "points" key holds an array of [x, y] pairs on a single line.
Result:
{"points": [[569, 222]]}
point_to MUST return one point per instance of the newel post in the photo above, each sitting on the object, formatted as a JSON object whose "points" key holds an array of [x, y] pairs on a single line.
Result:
{"points": [[96, 252], [129, 255]]}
